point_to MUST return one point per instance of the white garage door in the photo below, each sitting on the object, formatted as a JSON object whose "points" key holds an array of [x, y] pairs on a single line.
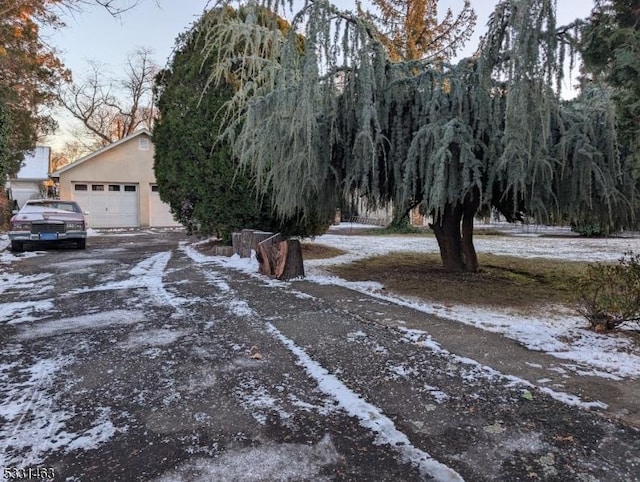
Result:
{"points": [[160, 215], [109, 205]]}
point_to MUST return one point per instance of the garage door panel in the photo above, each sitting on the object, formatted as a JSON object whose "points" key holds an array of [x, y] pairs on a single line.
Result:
{"points": [[159, 212], [109, 205]]}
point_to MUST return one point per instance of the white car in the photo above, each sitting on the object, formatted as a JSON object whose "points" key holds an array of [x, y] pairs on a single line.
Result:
{"points": [[46, 221]]}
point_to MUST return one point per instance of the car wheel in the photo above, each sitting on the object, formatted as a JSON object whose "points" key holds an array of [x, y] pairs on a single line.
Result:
{"points": [[17, 246], [81, 244]]}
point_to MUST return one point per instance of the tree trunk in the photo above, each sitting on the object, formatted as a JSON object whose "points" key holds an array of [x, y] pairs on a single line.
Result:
{"points": [[267, 255], [455, 240], [468, 250], [446, 227], [292, 265]]}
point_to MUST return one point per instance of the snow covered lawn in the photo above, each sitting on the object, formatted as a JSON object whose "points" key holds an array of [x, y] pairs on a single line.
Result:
{"points": [[559, 332]]}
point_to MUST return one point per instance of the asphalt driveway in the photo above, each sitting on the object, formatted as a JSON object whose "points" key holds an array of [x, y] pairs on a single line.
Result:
{"points": [[138, 360]]}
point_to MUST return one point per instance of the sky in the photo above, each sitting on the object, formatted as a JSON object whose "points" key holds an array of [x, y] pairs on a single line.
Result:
{"points": [[95, 35]]}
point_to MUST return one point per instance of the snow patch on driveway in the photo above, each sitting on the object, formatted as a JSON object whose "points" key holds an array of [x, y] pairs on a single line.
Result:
{"points": [[17, 312], [240, 308], [33, 425], [75, 264], [101, 432], [30, 421], [370, 416], [227, 296], [96, 321], [218, 281], [269, 461], [34, 283], [256, 399], [159, 337], [479, 371], [14, 312], [7, 257], [196, 255], [148, 274], [246, 265]]}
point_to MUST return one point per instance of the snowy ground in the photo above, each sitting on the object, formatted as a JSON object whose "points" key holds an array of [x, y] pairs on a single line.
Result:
{"points": [[559, 332], [527, 245], [153, 305], [77, 417]]}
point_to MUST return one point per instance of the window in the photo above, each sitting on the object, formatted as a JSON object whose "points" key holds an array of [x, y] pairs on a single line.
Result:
{"points": [[154, 188], [97, 187], [114, 187], [143, 144], [130, 188], [38, 206], [80, 187]]}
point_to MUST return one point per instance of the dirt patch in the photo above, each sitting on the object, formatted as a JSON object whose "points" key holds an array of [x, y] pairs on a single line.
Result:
{"points": [[503, 281]]}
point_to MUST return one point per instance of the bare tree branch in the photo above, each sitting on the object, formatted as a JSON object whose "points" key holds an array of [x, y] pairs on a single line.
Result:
{"points": [[114, 7], [112, 108]]}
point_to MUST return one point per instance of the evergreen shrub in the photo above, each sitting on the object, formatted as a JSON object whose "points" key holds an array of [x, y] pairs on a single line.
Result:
{"points": [[610, 293]]}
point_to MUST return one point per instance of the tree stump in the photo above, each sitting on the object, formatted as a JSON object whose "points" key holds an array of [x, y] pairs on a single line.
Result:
{"points": [[280, 259], [236, 242], [223, 251], [245, 243], [257, 237], [247, 240]]}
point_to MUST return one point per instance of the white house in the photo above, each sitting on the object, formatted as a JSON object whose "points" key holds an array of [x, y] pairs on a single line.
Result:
{"points": [[29, 181]]}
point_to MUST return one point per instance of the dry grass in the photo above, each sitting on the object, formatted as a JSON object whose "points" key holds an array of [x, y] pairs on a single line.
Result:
{"points": [[488, 232], [419, 232], [503, 281], [319, 251]]}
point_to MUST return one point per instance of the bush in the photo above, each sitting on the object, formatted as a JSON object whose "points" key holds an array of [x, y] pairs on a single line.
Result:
{"points": [[610, 293], [400, 225], [399, 229], [592, 230]]}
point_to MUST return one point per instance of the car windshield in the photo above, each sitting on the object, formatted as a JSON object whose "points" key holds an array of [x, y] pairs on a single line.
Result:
{"points": [[69, 207]]}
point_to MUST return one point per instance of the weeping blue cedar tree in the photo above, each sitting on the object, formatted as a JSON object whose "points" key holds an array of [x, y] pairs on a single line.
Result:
{"points": [[488, 132], [197, 174]]}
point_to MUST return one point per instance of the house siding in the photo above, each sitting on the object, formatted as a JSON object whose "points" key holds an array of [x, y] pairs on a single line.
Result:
{"points": [[28, 183], [125, 163]]}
